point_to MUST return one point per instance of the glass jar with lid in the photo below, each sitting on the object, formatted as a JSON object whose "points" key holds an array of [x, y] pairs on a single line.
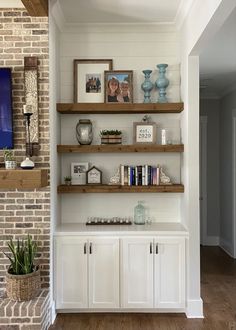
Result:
{"points": [[84, 131], [139, 214]]}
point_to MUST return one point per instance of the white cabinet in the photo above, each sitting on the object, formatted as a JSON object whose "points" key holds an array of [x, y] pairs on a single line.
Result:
{"points": [[87, 272], [169, 272], [104, 288], [71, 273], [153, 272], [137, 272]]}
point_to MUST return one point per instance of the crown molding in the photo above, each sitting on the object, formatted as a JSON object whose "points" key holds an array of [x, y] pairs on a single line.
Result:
{"points": [[182, 12]]}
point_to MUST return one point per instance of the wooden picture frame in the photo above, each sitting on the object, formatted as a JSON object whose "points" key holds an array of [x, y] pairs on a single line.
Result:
{"points": [[118, 86], [144, 133], [89, 80], [78, 173], [93, 180]]}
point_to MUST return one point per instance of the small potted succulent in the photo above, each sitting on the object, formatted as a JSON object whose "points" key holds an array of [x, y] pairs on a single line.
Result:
{"points": [[111, 136], [67, 180], [23, 275], [10, 163]]}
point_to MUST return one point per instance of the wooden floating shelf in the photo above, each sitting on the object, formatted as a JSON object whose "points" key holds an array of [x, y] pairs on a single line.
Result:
{"points": [[175, 188], [119, 108], [23, 179], [119, 148]]}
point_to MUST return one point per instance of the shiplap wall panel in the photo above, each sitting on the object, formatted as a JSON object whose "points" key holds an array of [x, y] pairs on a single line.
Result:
{"points": [[132, 48]]}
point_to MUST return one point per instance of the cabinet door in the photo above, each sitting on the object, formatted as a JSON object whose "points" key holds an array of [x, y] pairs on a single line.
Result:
{"points": [[71, 272], [104, 272], [137, 272], [169, 272]]}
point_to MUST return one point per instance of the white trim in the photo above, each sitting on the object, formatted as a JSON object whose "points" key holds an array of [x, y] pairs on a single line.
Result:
{"points": [[226, 246], [194, 309], [203, 180], [53, 312], [234, 183], [121, 310], [212, 241], [182, 12]]}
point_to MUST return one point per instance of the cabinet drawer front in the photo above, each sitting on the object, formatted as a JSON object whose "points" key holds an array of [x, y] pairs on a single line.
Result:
{"points": [[104, 273], [137, 272], [71, 273], [169, 273]]}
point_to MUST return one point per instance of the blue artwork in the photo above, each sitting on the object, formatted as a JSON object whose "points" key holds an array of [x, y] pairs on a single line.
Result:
{"points": [[6, 127]]}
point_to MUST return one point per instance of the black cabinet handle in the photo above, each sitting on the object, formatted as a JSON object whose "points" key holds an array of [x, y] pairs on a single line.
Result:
{"points": [[90, 248], [85, 248], [156, 248], [150, 248]]}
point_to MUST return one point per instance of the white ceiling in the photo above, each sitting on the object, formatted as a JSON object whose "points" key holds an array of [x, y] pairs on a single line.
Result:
{"points": [[218, 60], [120, 11]]}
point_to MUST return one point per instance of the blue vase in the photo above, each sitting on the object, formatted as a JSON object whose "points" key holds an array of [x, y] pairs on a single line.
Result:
{"points": [[147, 86], [162, 83]]}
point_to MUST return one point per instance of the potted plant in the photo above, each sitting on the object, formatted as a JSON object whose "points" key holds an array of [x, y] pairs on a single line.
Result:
{"points": [[23, 275], [111, 136], [67, 180], [10, 163]]}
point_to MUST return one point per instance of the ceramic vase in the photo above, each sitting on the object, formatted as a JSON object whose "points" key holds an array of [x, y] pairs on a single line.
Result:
{"points": [[147, 86], [162, 83]]}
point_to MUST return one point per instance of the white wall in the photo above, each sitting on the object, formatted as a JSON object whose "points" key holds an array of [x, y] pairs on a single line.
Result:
{"points": [[227, 112], [54, 140], [211, 109], [11, 4], [131, 48], [201, 23]]}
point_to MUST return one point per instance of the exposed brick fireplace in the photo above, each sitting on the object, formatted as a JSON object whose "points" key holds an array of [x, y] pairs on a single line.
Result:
{"points": [[23, 212]]}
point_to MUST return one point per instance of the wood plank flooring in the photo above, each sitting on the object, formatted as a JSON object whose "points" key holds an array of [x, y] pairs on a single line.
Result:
{"points": [[218, 290]]}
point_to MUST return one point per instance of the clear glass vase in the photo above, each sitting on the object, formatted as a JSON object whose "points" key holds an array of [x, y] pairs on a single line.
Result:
{"points": [[84, 131], [139, 214]]}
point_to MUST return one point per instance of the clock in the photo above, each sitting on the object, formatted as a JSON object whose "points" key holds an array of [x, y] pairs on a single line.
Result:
{"points": [[94, 176]]}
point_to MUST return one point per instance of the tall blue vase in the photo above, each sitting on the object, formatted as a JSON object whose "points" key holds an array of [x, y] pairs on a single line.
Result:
{"points": [[147, 86], [162, 83]]}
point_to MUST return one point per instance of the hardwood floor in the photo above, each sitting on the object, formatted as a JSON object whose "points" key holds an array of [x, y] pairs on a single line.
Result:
{"points": [[218, 290]]}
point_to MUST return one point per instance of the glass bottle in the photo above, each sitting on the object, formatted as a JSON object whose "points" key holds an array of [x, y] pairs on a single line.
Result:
{"points": [[84, 131], [139, 214]]}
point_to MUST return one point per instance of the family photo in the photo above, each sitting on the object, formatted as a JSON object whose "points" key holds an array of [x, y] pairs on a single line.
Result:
{"points": [[93, 83], [118, 86]]}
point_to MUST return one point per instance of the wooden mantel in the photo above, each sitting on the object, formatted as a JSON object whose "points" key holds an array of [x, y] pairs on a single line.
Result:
{"points": [[36, 7], [23, 179]]}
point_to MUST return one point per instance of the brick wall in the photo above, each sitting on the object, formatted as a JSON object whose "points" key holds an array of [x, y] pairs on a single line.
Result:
{"points": [[23, 212]]}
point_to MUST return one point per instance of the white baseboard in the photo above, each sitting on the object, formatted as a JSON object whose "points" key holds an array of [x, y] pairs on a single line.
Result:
{"points": [[194, 309], [53, 312], [227, 247], [212, 241]]}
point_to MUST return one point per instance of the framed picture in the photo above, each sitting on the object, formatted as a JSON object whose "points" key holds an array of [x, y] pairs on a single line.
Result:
{"points": [[118, 86], [145, 132], [94, 176], [78, 173], [89, 80]]}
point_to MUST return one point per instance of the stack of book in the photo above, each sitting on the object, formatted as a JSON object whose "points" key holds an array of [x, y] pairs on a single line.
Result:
{"points": [[141, 175]]}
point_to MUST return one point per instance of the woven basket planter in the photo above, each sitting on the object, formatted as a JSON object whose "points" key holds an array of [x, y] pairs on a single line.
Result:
{"points": [[111, 139], [23, 287]]}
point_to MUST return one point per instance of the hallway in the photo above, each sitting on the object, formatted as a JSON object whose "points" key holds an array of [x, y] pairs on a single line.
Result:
{"points": [[218, 291]]}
